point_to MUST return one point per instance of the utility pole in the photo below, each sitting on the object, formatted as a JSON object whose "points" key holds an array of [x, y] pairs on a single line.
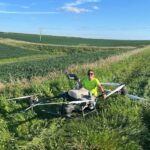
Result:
{"points": [[40, 31]]}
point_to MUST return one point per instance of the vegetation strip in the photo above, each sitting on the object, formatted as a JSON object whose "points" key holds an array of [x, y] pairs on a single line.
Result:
{"points": [[26, 44], [72, 41]]}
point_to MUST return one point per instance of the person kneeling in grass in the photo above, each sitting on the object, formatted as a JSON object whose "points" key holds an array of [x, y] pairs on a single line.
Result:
{"points": [[92, 84]]}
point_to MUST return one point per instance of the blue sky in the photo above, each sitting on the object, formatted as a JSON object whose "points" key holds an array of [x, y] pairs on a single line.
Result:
{"points": [[106, 19]]}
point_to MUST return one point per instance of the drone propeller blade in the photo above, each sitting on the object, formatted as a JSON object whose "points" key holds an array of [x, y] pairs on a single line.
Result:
{"points": [[114, 91], [134, 97], [111, 84]]}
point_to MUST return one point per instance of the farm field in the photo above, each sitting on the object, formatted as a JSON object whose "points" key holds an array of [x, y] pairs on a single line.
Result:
{"points": [[121, 123], [41, 60]]}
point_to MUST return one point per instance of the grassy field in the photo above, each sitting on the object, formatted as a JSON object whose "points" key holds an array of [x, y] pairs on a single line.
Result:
{"points": [[121, 123]]}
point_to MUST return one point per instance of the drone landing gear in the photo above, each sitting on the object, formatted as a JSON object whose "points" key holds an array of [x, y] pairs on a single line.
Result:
{"points": [[84, 109]]}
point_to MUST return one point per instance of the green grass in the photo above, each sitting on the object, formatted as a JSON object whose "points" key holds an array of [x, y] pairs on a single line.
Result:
{"points": [[121, 123]]}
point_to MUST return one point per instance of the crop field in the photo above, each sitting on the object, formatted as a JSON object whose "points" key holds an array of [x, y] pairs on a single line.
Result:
{"points": [[32, 68], [71, 40], [19, 60], [121, 123], [10, 52]]}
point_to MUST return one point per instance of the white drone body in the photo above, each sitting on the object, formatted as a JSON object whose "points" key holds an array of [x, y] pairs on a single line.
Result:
{"points": [[78, 98]]}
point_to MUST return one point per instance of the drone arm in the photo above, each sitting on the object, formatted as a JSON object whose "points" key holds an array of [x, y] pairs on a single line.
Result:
{"points": [[111, 84], [62, 95], [23, 97], [43, 104]]}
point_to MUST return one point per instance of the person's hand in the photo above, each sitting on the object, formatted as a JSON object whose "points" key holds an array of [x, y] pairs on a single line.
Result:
{"points": [[104, 96]]}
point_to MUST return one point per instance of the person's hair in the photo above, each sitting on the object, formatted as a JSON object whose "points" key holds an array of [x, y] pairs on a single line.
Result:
{"points": [[90, 70]]}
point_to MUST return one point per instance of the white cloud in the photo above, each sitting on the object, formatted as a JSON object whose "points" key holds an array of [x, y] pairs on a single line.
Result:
{"points": [[74, 6], [80, 2], [75, 9], [28, 12]]}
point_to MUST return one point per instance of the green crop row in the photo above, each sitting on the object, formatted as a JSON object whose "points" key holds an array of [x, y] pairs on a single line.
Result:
{"points": [[11, 51], [43, 67]]}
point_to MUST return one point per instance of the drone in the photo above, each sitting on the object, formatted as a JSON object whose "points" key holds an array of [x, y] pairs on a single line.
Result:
{"points": [[74, 100]]}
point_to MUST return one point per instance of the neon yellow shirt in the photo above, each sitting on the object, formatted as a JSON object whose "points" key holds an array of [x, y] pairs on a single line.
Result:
{"points": [[91, 85]]}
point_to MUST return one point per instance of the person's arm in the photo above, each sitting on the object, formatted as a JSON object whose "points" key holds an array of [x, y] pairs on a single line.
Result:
{"points": [[102, 91]]}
